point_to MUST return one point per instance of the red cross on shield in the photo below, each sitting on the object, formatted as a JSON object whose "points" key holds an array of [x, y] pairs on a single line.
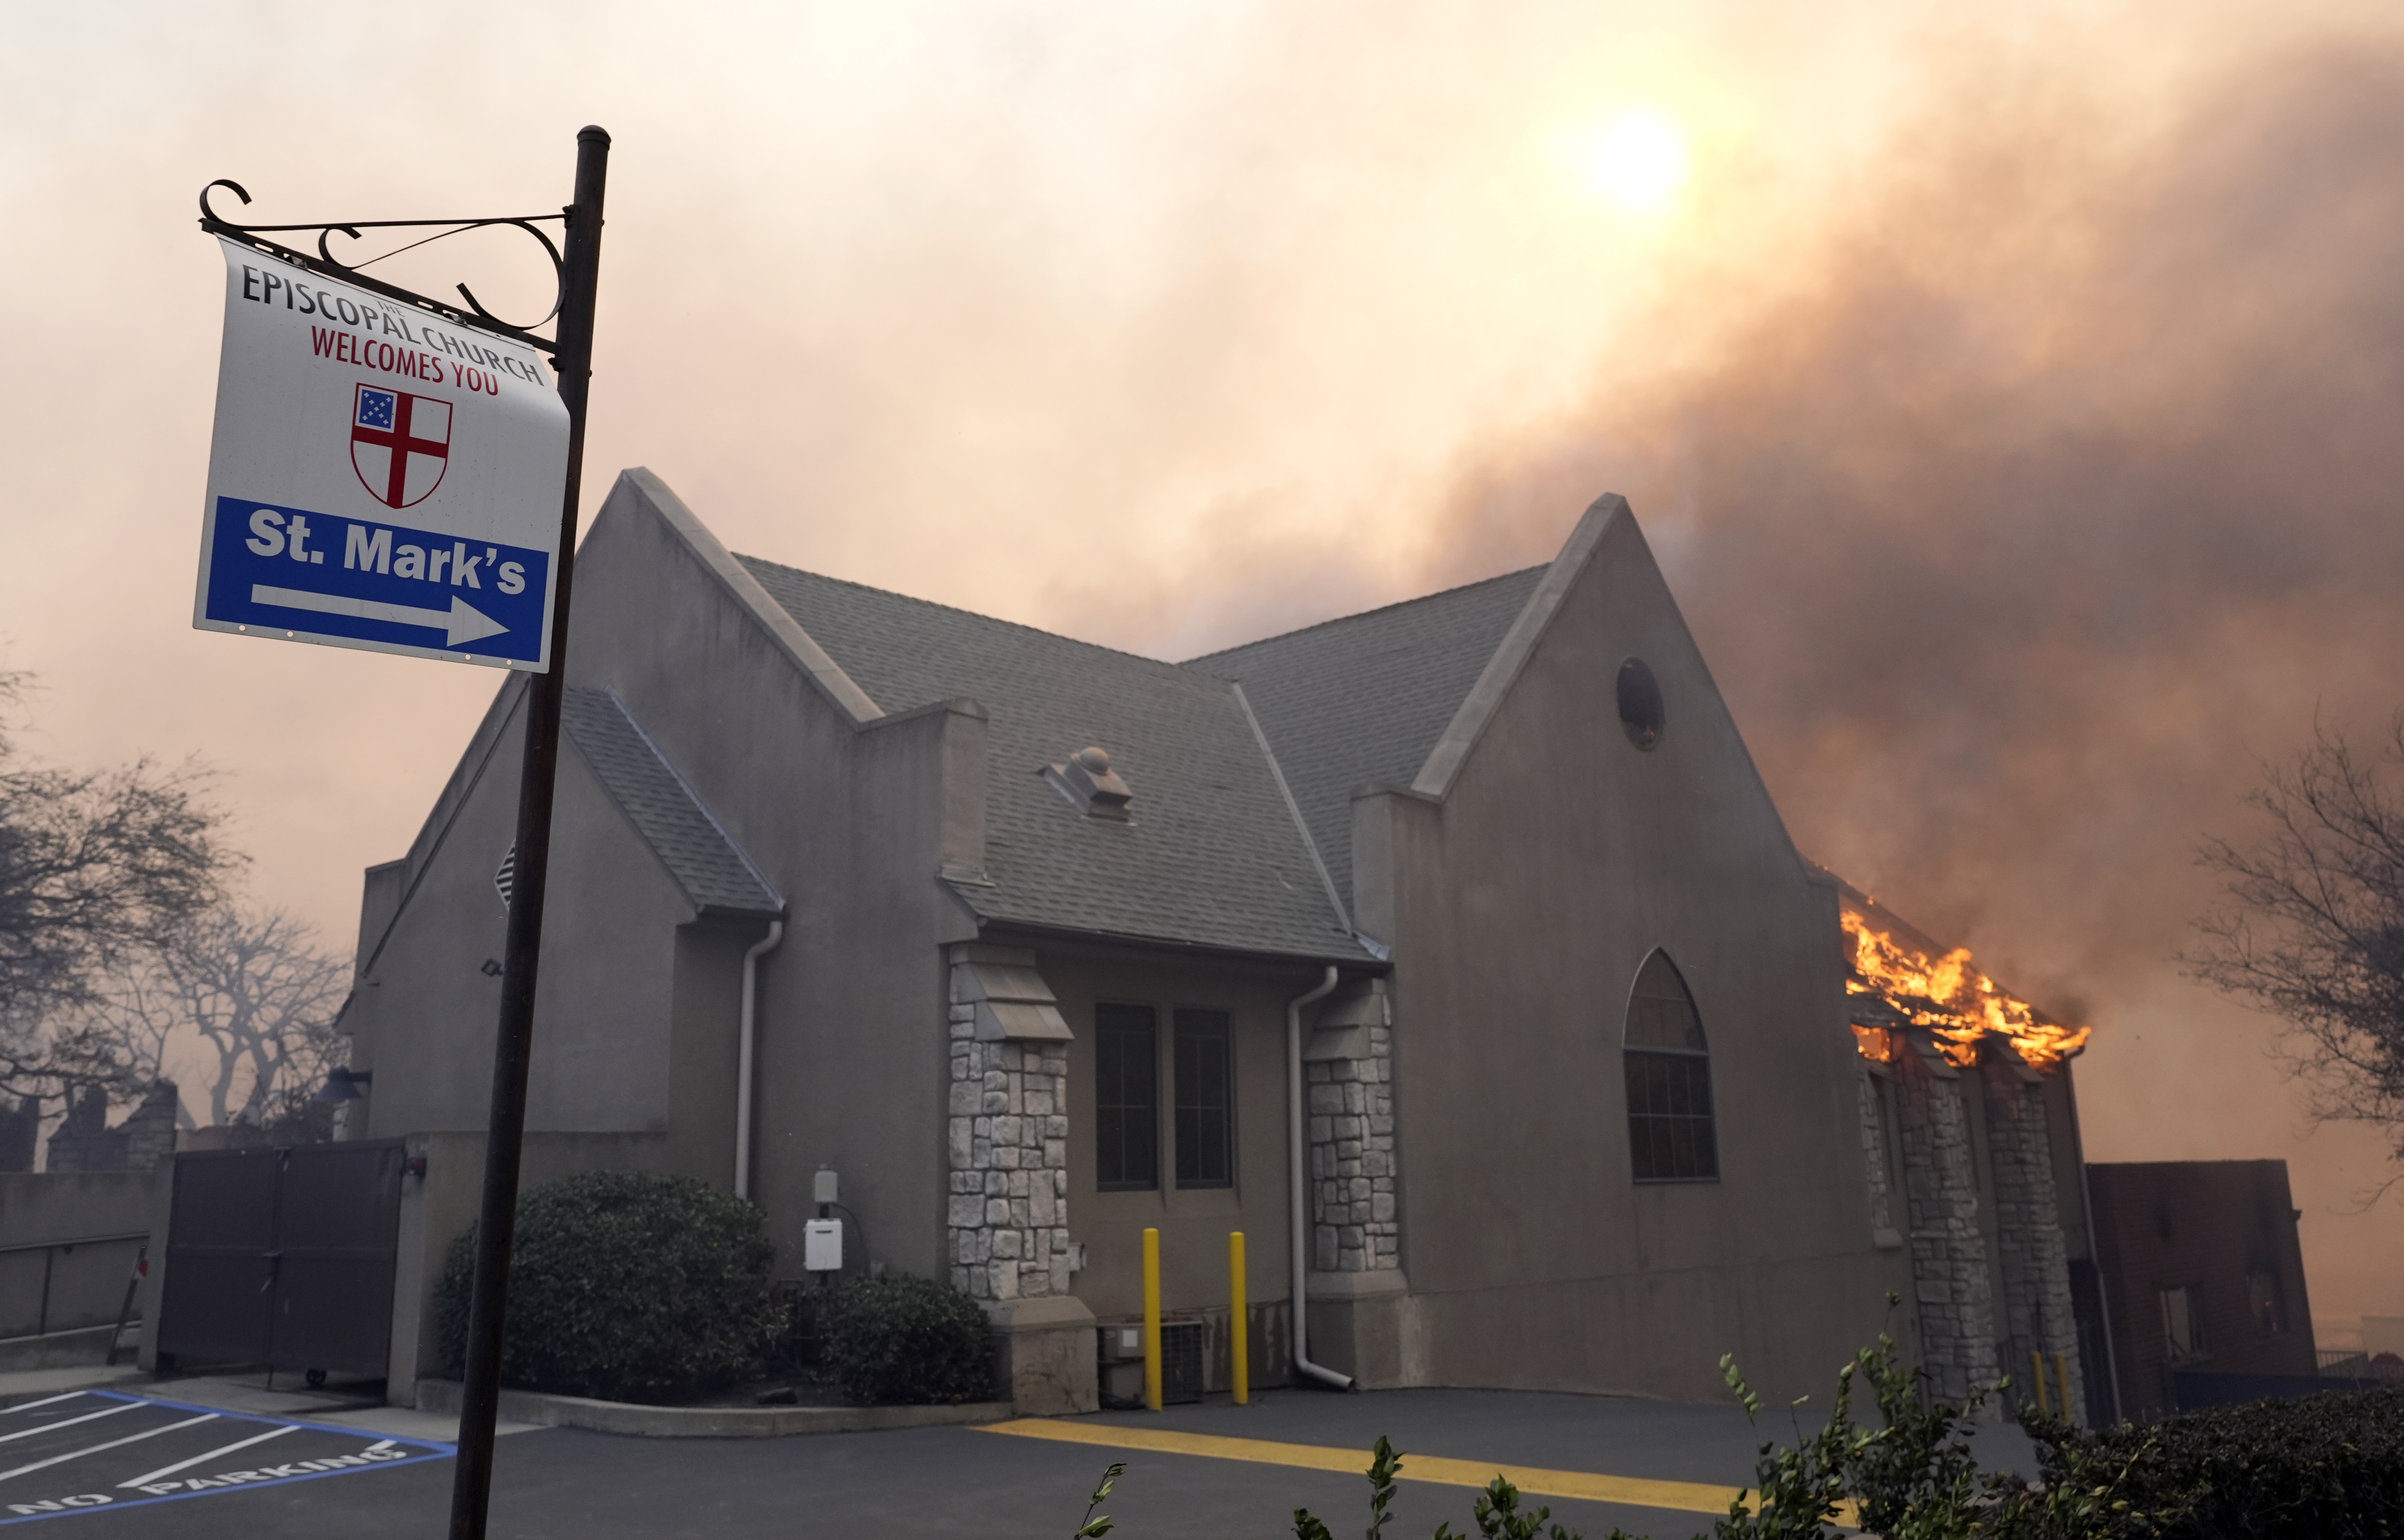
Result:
{"points": [[400, 443]]}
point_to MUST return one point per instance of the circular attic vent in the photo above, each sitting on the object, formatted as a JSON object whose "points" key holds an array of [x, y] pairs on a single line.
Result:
{"points": [[1640, 704]]}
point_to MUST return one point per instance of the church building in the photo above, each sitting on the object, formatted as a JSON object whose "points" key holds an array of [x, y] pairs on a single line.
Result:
{"points": [[1454, 952]]}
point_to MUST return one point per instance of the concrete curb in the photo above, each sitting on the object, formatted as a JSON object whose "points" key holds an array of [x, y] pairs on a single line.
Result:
{"points": [[622, 1417], [87, 1345], [18, 1385]]}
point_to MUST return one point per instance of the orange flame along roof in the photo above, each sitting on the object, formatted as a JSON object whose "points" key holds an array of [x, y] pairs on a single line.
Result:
{"points": [[1923, 983]]}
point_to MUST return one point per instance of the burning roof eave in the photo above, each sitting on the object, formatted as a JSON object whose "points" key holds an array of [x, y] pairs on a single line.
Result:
{"points": [[1871, 1011]]}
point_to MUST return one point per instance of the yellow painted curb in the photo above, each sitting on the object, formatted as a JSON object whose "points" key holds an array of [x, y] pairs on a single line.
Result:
{"points": [[1638, 1491]]}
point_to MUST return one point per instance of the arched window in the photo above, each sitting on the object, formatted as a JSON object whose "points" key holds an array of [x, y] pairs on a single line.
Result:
{"points": [[1670, 1132]]}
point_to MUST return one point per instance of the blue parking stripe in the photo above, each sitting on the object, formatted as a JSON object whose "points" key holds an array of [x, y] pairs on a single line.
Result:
{"points": [[193, 1475]]}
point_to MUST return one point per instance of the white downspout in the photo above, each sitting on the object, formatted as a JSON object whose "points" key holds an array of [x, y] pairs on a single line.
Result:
{"points": [[1298, 1153], [743, 1072]]}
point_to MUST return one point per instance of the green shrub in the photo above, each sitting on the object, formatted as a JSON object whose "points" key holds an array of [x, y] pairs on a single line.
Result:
{"points": [[898, 1341], [628, 1287], [2330, 1466]]}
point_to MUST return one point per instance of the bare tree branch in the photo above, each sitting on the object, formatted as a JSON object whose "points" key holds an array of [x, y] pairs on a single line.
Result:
{"points": [[2310, 926], [262, 998], [95, 868]]}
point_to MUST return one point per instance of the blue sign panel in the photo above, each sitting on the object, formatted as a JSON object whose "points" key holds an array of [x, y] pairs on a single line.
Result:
{"points": [[280, 571]]}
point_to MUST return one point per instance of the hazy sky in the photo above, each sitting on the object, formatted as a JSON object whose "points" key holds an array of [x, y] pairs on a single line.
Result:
{"points": [[2008, 399]]}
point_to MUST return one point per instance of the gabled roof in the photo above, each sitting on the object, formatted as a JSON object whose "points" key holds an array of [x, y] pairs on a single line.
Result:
{"points": [[1242, 763], [1213, 857], [716, 877], [1365, 698]]}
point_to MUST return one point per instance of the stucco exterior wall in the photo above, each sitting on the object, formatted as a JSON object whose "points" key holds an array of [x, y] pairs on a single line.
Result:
{"points": [[428, 1011], [705, 1048], [1521, 899], [852, 821]]}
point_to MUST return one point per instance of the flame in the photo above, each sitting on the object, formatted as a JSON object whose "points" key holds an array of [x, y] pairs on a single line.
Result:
{"points": [[1950, 996]]}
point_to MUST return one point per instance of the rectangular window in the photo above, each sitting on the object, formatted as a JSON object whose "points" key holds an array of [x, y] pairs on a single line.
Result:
{"points": [[1126, 1098], [2183, 1323], [2270, 1303], [1669, 1136], [1206, 1155]]}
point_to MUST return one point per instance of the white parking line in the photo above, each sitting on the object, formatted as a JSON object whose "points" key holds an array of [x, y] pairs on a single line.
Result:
{"points": [[12, 1437], [187, 1465], [330, 1450], [114, 1444], [46, 1401]]}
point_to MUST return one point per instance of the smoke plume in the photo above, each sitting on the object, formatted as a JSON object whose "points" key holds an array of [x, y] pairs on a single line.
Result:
{"points": [[2060, 497]]}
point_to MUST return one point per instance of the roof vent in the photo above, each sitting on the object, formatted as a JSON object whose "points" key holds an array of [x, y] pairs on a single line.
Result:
{"points": [[1088, 781]]}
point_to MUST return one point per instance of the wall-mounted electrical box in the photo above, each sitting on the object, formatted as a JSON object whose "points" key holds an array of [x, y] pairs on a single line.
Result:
{"points": [[822, 1245]]}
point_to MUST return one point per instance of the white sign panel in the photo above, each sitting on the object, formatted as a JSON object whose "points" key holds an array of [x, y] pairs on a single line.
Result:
{"points": [[380, 478]]}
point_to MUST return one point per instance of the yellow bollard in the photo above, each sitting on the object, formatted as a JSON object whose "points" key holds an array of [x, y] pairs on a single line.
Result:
{"points": [[1151, 1318], [2036, 1369], [1239, 1346]]}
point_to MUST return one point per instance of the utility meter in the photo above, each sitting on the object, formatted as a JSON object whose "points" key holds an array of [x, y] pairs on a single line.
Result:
{"points": [[822, 1246]]}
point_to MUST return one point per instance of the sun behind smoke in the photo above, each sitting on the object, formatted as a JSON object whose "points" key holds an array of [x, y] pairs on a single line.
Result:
{"points": [[1640, 161]]}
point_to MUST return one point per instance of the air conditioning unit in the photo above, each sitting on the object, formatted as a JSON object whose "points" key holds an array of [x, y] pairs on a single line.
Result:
{"points": [[1121, 1352], [1181, 1362]]}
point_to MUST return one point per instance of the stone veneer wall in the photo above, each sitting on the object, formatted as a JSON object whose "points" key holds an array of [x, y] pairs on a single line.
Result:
{"points": [[1009, 1212], [1948, 1253], [2037, 1313], [1874, 1161], [1355, 1225]]}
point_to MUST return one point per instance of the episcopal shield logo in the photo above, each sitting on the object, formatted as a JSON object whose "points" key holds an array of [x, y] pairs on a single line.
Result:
{"points": [[400, 443]]}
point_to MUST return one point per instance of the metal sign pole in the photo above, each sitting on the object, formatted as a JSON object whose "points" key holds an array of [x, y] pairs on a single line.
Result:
{"points": [[472, 1487]]}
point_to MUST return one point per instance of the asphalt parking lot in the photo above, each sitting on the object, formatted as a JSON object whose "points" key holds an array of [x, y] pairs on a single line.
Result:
{"points": [[112, 1462], [82, 1450]]}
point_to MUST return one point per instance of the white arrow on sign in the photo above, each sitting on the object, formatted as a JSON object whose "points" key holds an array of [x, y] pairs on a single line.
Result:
{"points": [[461, 622]]}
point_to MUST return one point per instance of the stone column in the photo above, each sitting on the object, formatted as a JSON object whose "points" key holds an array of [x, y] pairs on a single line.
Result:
{"points": [[1009, 1202], [1356, 1226], [2036, 1314], [1010, 1179], [1948, 1253], [1359, 1299], [1884, 1232]]}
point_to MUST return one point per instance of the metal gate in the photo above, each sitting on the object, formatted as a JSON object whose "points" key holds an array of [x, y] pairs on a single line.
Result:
{"points": [[283, 1257]]}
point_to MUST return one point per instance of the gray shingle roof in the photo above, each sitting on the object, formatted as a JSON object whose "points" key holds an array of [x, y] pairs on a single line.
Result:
{"points": [[1364, 698], [1212, 858], [714, 874]]}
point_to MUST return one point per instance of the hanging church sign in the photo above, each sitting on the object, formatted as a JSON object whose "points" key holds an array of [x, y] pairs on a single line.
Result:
{"points": [[381, 477]]}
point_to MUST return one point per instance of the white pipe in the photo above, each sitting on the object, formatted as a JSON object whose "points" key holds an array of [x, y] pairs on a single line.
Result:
{"points": [[743, 1070], [1298, 1153]]}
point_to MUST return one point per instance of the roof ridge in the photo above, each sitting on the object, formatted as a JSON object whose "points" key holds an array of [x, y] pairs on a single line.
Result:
{"points": [[1173, 666], [1365, 614], [971, 614], [1294, 808]]}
